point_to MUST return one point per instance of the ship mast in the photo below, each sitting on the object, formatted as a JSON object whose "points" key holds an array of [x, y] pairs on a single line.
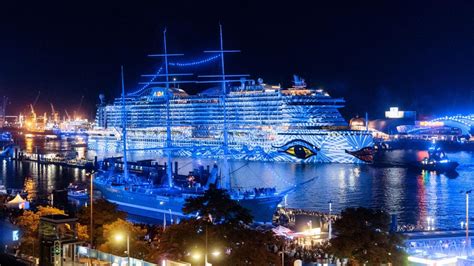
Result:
{"points": [[168, 146], [226, 180], [169, 173], [124, 130]]}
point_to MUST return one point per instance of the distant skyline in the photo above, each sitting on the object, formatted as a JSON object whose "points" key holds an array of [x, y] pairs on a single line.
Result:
{"points": [[415, 55]]}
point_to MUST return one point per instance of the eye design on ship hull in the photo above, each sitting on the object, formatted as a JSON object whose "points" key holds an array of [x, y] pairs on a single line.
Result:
{"points": [[299, 148]]}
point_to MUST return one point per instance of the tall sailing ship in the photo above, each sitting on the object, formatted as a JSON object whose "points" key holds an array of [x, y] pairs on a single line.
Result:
{"points": [[137, 196]]}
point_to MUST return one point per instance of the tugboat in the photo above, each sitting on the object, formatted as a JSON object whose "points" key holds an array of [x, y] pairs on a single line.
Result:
{"points": [[437, 161]]}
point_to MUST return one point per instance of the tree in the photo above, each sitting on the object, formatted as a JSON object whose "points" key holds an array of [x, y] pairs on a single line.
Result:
{"points": [[225, 223], [138, 247], [28, 222], [104, 213], [217, 205], [82, 232], [362, 235]]}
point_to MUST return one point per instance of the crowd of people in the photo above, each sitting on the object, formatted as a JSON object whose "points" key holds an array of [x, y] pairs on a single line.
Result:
{"points": [[316, 252], [287, 216]]}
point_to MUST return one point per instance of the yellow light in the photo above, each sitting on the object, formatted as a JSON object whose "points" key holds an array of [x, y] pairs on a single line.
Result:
{"points": [[216, 253], [196, 256], [119, 237], [431, 124]]}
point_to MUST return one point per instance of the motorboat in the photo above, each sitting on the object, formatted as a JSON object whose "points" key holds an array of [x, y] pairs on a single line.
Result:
{"points": [[437, 160]]}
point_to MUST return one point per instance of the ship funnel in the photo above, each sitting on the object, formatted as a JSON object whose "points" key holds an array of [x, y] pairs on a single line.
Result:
{"points": [[102, 98], [298, 81]]}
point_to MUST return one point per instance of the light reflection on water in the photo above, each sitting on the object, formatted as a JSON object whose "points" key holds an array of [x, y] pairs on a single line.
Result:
{"points": [[412, 196]]}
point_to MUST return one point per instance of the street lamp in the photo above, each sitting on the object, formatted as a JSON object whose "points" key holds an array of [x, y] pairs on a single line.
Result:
{"points": [[467, 192], [92, 209], [282, 257], [119, 238], [330, 221], [214, 253], [197, 256]]}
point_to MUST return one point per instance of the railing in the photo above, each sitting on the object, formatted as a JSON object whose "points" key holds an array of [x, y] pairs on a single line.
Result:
{"points": [[85, 254]]}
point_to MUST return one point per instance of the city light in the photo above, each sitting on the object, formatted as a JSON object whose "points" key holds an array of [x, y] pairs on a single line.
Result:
{"points": [[119, 237], [394, 112], [442, 261], [196, 256]]}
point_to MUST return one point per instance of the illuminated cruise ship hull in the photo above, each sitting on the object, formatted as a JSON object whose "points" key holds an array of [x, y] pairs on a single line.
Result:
{"points": [[330, 147], [264, 123]]}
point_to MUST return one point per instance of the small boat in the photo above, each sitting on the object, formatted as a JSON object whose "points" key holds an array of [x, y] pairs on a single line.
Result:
{"points": [[437, 161], [77, 191]]}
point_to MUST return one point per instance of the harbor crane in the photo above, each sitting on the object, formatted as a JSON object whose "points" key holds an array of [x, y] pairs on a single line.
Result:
{"points": [[78, 110], [54, 115], [36, 99], [67, 115]]}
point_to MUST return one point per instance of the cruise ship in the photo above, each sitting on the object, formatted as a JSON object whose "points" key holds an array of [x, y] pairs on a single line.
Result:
{"points": [[240, 119], [264, 123]]}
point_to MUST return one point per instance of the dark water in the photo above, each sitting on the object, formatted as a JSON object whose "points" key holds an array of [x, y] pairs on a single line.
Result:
{"points": [[412, 196]]}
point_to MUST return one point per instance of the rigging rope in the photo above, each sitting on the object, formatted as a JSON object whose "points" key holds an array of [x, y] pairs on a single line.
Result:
{"points": [[175, 64]]}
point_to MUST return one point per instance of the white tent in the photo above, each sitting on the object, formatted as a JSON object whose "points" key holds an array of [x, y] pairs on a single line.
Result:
{"points": [[282, 231], [18, 203]]}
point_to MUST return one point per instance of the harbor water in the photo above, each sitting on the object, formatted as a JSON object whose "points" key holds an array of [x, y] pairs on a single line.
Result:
{"points": [[413, 196]]}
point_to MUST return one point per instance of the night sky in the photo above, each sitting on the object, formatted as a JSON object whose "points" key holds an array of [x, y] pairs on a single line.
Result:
{"points": [[418, 55]]}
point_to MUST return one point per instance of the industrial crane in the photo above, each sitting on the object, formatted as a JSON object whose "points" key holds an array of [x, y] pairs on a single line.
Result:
{"points": [[67, 115], [54, 115]]}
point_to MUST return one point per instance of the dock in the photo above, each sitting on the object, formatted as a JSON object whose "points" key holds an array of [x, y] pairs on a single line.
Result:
{"points": [[16, 154]]}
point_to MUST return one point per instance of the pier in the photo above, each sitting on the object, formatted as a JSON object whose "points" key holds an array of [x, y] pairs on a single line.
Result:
{"points": [[17, 154], [74, 163]]}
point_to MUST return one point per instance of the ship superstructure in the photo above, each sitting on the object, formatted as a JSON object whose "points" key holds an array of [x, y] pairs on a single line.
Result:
{"points": [[264, 122]]}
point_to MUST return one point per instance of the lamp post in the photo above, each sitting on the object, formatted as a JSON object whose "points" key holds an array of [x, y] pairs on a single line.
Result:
{"points": [[205, 255], [468, 244], [283, 257], [119, 238], [330, 221], [92, 210], [215, 253]]}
